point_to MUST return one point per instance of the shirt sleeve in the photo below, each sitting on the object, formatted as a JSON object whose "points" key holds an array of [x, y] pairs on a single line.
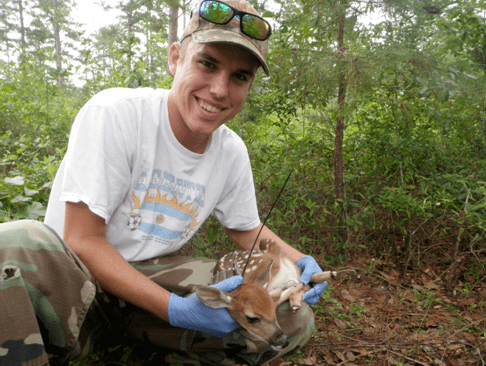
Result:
{"points": [[237, 208], [98, 160]]}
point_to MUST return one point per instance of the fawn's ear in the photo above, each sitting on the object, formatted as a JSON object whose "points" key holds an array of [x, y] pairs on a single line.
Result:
{"points": [[264, 278], [213, 297], [270, 246]]}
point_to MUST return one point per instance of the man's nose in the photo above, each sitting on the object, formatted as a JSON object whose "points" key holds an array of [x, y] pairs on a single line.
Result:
{"points": [[219, 85]]}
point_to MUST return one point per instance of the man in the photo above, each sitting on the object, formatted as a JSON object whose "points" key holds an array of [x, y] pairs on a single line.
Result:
{"points": [[143, 170]]}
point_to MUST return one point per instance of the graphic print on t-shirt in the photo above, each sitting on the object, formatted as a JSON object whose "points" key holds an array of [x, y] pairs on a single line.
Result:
{"points": [[165, 208]]}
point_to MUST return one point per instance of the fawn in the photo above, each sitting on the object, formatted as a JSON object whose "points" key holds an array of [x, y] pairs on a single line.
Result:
{"points": [[270, 279]]}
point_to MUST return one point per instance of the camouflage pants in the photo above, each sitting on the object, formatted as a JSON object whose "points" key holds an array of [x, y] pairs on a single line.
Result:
{"points": [[53, 310]]}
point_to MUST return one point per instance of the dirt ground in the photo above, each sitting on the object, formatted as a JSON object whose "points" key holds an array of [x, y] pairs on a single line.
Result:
{"points": [[379, 317]]}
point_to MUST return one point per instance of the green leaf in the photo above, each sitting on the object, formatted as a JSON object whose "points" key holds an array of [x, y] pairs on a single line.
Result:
{"points": [[16, 181], [20, 199], [36, 210], [30, 192]]}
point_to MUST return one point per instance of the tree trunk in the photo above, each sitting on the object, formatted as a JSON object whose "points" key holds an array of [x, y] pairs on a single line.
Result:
{"points": [[483, 107], [57, 40], [22, 27], [338, 142], [130, 35], [174, 22]]}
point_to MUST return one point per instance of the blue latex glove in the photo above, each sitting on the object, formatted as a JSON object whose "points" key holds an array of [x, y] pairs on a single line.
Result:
{"points": [[191, 313], [309, 266]]}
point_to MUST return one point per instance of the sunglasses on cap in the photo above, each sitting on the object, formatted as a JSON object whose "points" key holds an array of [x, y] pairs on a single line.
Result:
{"points": [[218, 12]]}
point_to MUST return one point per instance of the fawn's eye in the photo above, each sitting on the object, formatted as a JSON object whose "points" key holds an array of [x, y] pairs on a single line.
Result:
{"points": [[252, 320]]}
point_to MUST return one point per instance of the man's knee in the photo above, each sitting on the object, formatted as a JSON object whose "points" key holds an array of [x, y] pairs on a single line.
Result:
{"points": [[52, 289], [28, 234], [300, 324]]}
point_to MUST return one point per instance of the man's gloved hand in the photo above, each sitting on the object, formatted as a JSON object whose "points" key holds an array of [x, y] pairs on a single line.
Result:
{"points": [[191, 313], [309, 266]]}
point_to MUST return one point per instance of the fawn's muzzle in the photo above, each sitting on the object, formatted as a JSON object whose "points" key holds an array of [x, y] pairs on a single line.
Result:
{"points": [[279, 341]]}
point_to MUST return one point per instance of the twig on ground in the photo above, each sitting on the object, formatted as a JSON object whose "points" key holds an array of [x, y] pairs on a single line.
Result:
{"points": [[360, 355], [408, 358]]}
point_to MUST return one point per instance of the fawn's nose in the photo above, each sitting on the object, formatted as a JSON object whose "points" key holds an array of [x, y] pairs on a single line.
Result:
{"points": [[279, 341]]}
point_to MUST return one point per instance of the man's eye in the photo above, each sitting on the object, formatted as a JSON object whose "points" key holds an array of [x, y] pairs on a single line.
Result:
{"points": [[207, 64], [240, 77]]}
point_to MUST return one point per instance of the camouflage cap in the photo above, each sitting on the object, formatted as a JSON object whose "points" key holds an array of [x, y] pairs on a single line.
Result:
{"points": [[203, 31]]}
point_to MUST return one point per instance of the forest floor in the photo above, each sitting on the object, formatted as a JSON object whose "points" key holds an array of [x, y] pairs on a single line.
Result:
{"points": [[377, 316], [383, 318]]}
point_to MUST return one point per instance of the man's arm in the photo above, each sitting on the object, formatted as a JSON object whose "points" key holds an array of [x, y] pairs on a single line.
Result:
{"points": [[245, 240], [85, 233]]}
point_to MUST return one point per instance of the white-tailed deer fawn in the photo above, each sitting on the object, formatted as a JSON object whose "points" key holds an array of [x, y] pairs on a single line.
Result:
{"points": [[270, 279]]}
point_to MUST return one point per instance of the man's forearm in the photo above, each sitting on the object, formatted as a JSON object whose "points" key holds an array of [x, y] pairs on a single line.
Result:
{"points": [[119, 278], [85, 234], [245, 240]]}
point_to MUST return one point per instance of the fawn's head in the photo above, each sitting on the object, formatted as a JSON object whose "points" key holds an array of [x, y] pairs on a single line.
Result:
{"points": [[251, 306]]}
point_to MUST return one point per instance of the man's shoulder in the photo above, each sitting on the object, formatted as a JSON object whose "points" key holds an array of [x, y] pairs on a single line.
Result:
{"points": [[230, 141], [113, 96], [227, 134]]}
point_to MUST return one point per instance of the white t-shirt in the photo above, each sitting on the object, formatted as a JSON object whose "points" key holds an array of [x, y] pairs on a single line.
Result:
{"points": [[125, 163]]}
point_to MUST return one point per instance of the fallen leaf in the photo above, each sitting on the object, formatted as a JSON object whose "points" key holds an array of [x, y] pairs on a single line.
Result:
{"points": [[310, 361], [346, 295], [340, 323], [431, 285], [328, 358], [339, 355], [350, 355]]}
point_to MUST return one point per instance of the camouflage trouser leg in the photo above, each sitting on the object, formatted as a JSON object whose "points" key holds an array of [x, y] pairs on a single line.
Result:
{"points": [[45, 295], [178, 274]]}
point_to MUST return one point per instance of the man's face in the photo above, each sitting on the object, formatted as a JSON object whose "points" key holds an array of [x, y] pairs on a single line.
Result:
{"points": [[211, 83]]}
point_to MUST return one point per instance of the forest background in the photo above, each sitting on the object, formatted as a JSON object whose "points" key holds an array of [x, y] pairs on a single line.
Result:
{"points": [[384, 123]]}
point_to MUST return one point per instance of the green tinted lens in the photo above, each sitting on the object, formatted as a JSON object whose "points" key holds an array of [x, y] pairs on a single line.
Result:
{"points": [[220, 13], [255, 27], [216, 12]]}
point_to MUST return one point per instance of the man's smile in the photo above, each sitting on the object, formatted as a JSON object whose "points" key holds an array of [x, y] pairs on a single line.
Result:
{"points": [[208, 107]]}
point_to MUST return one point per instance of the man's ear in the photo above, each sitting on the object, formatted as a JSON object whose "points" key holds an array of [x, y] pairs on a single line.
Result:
{"points": [[254, 78], [174, 56]]}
